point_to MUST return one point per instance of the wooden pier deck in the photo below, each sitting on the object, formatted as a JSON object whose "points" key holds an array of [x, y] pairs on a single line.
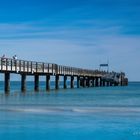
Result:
{"points": [[85, 77]]}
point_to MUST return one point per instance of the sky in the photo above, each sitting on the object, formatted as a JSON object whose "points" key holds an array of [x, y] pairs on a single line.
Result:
{"points": [[79, 33]]}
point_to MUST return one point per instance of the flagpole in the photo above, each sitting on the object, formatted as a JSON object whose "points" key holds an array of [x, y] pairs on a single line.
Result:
{"points": [[108, 65]]}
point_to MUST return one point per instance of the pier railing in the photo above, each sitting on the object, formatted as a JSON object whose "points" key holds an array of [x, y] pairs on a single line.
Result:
{"points": [[32, 67]]}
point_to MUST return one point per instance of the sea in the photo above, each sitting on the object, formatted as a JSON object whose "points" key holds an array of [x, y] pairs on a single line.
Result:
{"points": [[95, 113]]}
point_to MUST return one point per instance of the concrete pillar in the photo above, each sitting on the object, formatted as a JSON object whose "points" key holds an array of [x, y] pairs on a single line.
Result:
{"points": [[81, 82], [93, 82], [47, 82], [96, 82], [84, 81], [104, 83], [110, 83], [23, 82], [115, 84], [65, 82], [88, 82], [36, 83], [101, 82], [57, 82], [78, 82], [72, 82], [7, 82], [121, 83], [107, 84]]}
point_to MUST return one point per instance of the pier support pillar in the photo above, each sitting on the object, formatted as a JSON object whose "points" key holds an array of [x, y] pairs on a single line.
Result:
{"points": [[78, 82], [84, 82], [36, 83], [23, 82], [72, 81], [121, 82], [96, 82], [7, 82], [47, 82], [65, 82], [115, 84], [104, 83], [57, 82], [111, 84], [101, 82], [88, 82], [81, 82], [93, 80], [107, 84]]}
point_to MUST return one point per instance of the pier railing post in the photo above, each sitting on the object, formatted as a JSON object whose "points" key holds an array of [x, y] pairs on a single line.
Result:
{"points": [[11, 65], [1, 63], [6, 64], [36, 67]]}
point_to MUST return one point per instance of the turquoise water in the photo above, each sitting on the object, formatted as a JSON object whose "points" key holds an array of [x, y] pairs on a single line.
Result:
{"points": [[111, 113]]}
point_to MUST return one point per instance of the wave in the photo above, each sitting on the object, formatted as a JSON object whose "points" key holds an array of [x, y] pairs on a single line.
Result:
{"points": [[73, 110], [31, 110]]}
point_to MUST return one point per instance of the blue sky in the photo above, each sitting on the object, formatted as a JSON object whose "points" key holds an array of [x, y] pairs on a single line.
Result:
{"points": [[82, 33]]}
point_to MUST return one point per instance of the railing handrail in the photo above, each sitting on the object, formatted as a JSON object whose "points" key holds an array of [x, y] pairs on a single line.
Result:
{"points": [[56, 66]]}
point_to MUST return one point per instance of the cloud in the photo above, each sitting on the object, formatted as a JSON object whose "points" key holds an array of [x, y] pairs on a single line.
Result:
{"points": [[121, 51], [80, 37]]}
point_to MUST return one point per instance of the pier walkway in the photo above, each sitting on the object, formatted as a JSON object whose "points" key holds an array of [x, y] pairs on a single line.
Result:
{"points": [[85, 77]]}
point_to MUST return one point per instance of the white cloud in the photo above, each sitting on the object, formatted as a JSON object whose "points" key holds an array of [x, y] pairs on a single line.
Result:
{"points": [[85, 47]]}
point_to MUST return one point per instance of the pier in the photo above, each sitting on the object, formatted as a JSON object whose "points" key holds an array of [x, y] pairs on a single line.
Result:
{"points": [[84, 77]]}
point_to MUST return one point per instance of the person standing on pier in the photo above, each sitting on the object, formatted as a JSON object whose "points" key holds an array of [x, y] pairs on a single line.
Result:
{"points": [[15, 59], [3, 59]]}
